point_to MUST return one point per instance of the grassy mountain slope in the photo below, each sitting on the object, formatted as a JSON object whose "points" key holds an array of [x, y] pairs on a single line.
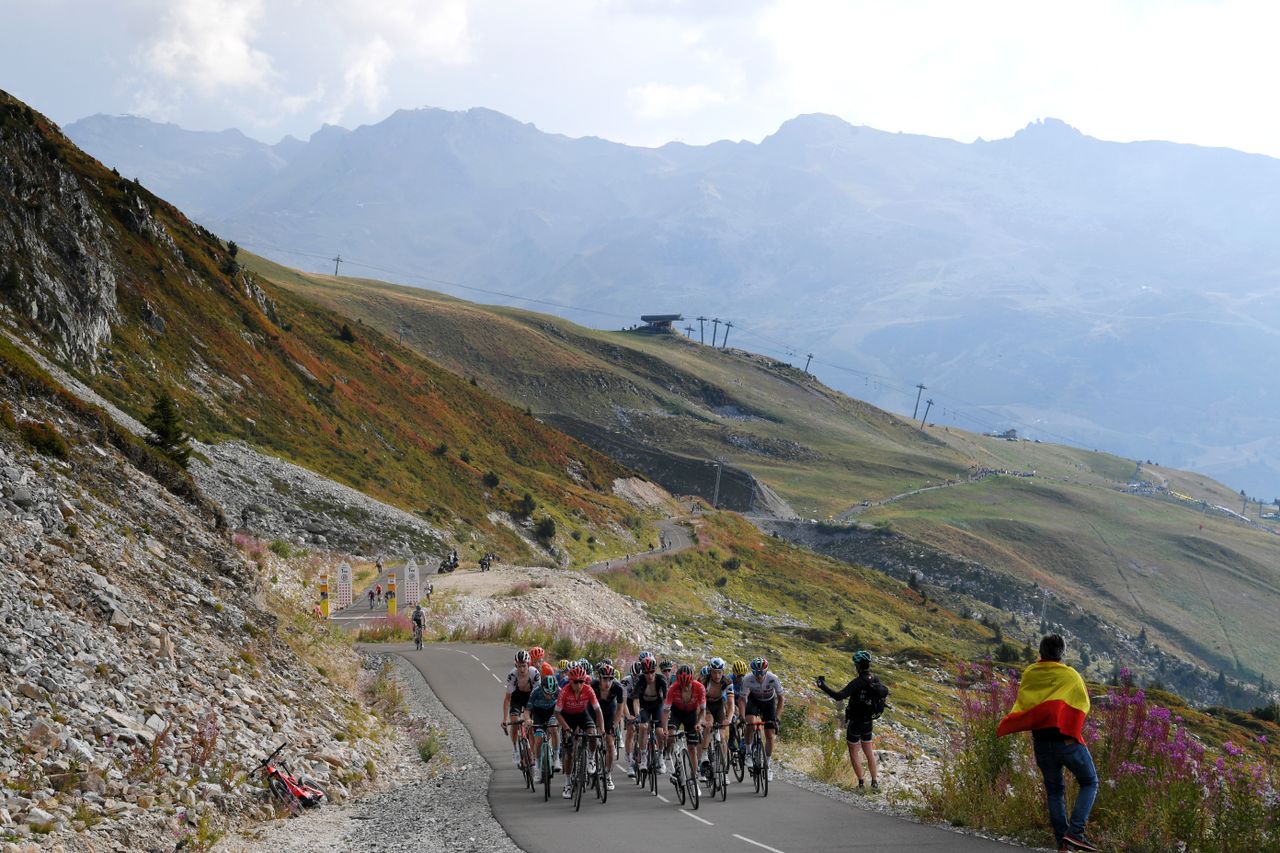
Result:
{"points": [[248, 360], [1136, 561]]}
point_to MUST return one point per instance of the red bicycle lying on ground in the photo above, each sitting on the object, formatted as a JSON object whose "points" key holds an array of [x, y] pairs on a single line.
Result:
{"points": [[292, 791]]}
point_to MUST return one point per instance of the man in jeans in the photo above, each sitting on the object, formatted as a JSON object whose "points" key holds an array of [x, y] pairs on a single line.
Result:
{"points": [[1052, 704]]}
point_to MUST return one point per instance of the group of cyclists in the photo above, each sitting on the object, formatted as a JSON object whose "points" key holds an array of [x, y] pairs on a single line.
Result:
{"points": [[668, 696]]}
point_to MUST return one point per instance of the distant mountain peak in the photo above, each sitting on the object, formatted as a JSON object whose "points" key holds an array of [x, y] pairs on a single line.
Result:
{"points": [[812, 127], [1048, 128]]}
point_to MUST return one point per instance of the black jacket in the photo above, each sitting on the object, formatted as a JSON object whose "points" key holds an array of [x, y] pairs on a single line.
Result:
{"points": [[859, 692]]}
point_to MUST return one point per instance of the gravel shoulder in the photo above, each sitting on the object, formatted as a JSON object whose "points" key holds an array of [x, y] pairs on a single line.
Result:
{"points": [[440, 807]]}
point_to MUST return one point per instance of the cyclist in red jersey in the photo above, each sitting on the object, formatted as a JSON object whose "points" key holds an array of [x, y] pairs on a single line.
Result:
{"points": [[577, 709], [684, 707]]}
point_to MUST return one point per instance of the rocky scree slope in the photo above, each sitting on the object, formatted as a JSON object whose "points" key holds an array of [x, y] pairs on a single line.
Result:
{"points": [[140, 673], [122, 290]]}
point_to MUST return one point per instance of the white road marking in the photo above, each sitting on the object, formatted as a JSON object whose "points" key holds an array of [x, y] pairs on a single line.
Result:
{"points": [[664, 799], [495, 677], [473, 657], [756, 843], [486, 666], [698, 819]]}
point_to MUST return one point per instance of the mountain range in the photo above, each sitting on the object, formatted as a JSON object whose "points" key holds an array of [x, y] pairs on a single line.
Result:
{"points": [[1120, 296]]}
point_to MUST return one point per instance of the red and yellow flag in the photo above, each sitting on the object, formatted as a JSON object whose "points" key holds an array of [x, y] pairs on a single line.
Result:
{"points": [[1051, 695]]}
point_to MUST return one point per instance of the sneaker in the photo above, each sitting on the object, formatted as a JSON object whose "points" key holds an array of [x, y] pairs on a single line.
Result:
{"points": [[556, 766], [861, 784], [1062, 847], [662, 765], [631, 771], [1078, 842], [770, 774], [608, 782], [875, 786], [568, 792]]}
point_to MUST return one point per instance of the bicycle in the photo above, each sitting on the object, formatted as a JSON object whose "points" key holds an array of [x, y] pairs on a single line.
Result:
{"points": [[587, 748], [737, 749], [417, 636], [525, 751], [292, 791], [719, 761], [684, 777], [759, 759], [647, 758], [545, 765]]}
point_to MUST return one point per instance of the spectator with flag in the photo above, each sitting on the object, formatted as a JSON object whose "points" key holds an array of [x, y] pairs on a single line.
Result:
{"points": [[1052, 704]]}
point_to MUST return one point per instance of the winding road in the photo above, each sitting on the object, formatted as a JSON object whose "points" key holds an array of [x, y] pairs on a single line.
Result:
{"points": [[469, 678]]}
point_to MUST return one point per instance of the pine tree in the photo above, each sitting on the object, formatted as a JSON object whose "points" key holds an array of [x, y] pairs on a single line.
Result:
{"points": [[346, 334], [167, 434]]}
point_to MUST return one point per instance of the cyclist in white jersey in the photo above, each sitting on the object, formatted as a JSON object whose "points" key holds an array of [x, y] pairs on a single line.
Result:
{"points": [[761, 700]]}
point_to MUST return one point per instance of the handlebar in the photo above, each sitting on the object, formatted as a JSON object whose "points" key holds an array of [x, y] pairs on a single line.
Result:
{"points": [[264, 762]]}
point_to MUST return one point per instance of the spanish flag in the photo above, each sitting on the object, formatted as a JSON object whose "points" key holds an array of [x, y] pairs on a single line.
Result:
{"points": [[1051, 695]]}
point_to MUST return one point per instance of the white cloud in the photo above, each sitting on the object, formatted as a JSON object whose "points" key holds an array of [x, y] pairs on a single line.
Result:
{"points": [[206, 45], [657, 101]]}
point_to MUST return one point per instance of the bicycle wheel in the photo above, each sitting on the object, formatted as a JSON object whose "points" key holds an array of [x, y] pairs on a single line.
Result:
{"points": [[526, 762], [545, 763], [764, 771], [653, 767], [756, 750], [601, 788], [719, 771], [677, 777], [690, 780], [579, 773], [280, 791]]}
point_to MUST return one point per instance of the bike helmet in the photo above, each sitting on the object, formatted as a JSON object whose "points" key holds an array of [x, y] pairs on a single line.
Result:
{"points": [[564, 664], [522, 656], [706, 672], [547, 669], [648, 665], [716, 663], [549, 683], [666, 666], [684, 675], [605, 671], [739, 667], [537, 653], [861, 656], [759, 666], [644, 655], [636, 668], [577, 674]]}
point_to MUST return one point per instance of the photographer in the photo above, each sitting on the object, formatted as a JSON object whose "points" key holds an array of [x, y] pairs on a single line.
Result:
{"points": [[866, 697]]}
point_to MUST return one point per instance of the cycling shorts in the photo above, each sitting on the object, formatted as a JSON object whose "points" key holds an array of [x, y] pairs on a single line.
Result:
{"points": [[650, 713], [579, 722], [688, 720], [541, 717], [610, 712], [519, 699], [858, 731], [716, 708], [766, 711]]}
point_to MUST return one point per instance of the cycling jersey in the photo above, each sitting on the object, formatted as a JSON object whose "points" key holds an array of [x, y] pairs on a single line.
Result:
{"points": [[723, 685], [762, 689], [530, 679], [608, 701], [570, 704], [649, 690], [544, 700], [697, 698]]}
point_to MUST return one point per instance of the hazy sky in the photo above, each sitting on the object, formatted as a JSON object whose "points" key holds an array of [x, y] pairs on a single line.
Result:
{"points": [[648, 72]]}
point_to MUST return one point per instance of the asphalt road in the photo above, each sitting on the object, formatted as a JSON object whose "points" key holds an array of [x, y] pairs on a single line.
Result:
{"points": [[469, 680]]}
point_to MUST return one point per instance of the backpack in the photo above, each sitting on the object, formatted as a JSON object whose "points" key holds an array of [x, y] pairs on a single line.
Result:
{"points": [[872, 698]]}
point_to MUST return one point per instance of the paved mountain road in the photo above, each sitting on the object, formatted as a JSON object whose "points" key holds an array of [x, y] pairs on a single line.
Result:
{"points": [[469, 678]]}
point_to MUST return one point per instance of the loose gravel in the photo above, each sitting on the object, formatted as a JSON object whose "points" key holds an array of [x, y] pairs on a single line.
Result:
{"points": [[441, 807]]}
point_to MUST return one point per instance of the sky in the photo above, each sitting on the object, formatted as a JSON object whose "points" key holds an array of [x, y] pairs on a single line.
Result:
{"points": [[649, 72]]}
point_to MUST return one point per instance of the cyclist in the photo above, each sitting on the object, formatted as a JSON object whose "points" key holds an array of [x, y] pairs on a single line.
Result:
{"points": [[736, 737], [667, 667], [377, 590], [520, 683], [612, 699], [562, 672], [761, 701], [628, 684], [577, 709], [720, 698], [684, 707], [537, 655], [542, 707], [419, 621], [648, 692], [370, 598]]}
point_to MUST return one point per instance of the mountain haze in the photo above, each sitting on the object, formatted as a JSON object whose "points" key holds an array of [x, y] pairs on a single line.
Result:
{"points": [[1121, 295]]}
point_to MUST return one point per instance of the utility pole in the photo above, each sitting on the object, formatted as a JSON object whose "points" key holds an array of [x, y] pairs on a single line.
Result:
{"points": [[928, 404], [916, 410], [715, 495], [715, 329], [727, 326], [689, 331], [336, 261], [809, 358], [702, 332]]}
